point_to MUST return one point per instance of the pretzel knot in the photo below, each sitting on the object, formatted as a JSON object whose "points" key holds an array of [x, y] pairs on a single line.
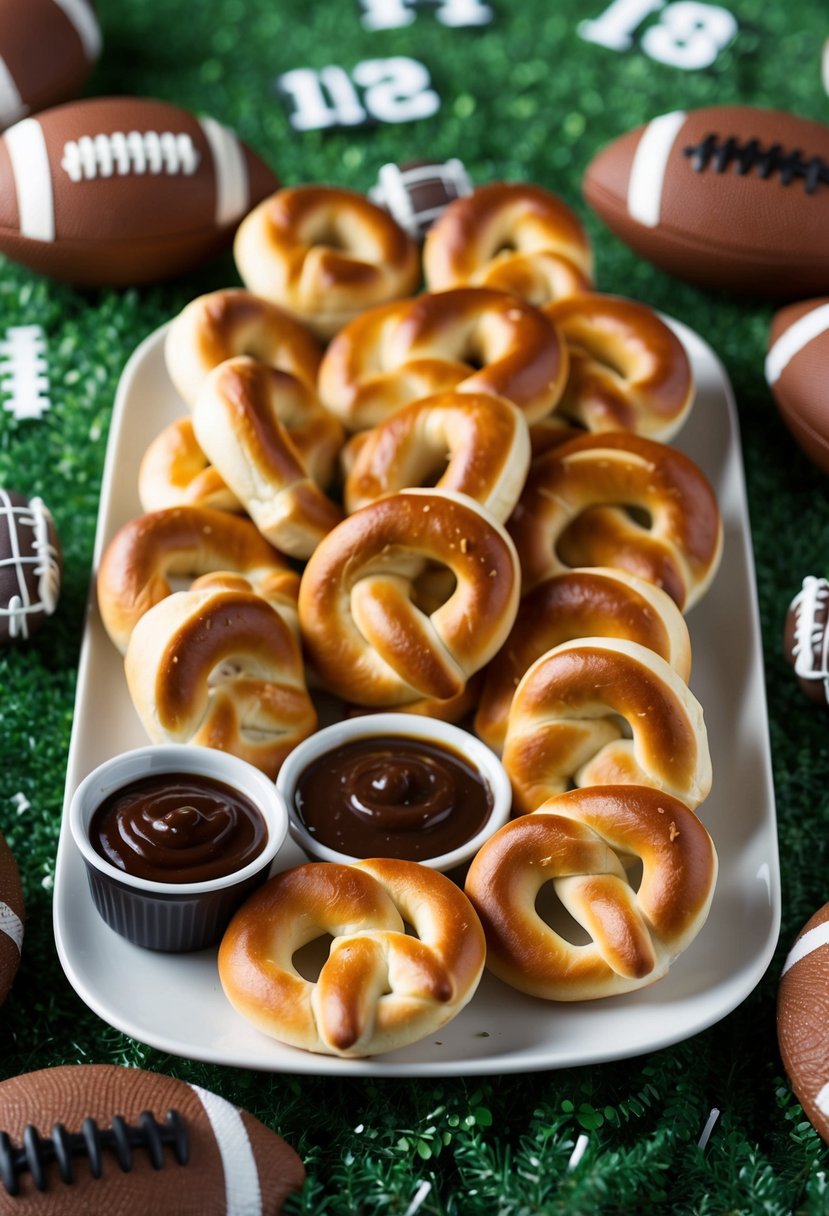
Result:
{"points": [[624, 501], [513, 237], [578, 604], [175, 472], [267, 435], [579, 852], [184, 543], [325, 254], [380, 988], [366, 632], [472, 338], [223, 324], [218, 667], [478, 444], [628, 369], [605, 711]]}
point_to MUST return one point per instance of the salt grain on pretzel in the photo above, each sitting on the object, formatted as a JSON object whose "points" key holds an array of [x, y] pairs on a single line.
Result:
{"points": [[628, 369], [181, 543], [579, 849], [264, 431], [605, 711], [470, 442], [367, 636], [325, 254], [223, 324], [472, 339], [380, 988], [624, 501], [576, 604], [220, 668], [511, 236]]}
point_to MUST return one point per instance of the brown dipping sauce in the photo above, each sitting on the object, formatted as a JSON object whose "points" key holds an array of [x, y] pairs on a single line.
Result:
{"points": [[172, 827], [392, 797]]}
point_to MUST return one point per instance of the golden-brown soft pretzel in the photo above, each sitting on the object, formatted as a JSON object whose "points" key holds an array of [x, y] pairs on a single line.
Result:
{"points": [[220, 668], [175, 472], [366, 635], [325, 254], [265, 432], [514, 237], [230, 322], [604, 711], [380, 987], [620, 500], [584, 843], [182, 543], [470, 442], [628, 369], [597, 602], [473, 339]]}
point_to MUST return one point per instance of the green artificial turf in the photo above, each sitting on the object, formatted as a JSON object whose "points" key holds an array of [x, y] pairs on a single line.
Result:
{"points": [[523, 97]]}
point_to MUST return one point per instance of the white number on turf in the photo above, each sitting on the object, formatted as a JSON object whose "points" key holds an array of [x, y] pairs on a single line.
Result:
{"points": [[393, 90], [394, 14], [688, 34]]}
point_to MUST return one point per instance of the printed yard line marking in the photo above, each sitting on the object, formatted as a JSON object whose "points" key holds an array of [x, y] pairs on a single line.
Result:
{"points": [[418, 1199], [709, 1126], [24, 369], [577, 1153]]}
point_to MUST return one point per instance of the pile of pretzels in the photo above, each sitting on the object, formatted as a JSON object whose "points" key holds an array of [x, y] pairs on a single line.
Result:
{"points": [[439, 481]]}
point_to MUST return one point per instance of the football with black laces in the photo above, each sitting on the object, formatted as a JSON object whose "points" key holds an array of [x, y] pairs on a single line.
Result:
{"points": [[85, 1138], [730, 197]]}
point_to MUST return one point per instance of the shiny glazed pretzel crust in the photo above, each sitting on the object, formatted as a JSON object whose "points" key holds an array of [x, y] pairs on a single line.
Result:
{"points": [[272, 443], [184, 543], [325, 254], [583, 842], [472, 339], [511, 236], [479, 444], [580, 603], [175, 472], [218, 667], [223, 324], [367, 637], [380, 987], [628, 369], [604, 711], [624, 501]]}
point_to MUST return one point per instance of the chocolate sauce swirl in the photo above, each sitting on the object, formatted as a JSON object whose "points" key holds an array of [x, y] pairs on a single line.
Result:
{"points": [[392, 797], [177, 828]]}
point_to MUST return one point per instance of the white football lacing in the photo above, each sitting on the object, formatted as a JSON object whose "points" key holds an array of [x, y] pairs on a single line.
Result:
{"points": [[123, 153], [811, 630]]}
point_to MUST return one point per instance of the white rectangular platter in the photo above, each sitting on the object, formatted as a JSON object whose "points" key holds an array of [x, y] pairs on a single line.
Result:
{"points": [[175, 1002]]}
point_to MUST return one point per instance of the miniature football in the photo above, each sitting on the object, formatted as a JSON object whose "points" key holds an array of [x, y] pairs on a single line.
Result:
{"points": [[121, 190], [797, 367], [802, 1023], [418, 191], [47, 49], [31, 564], [731, 197], [11, 918], [806, 638], [101, 1138]]}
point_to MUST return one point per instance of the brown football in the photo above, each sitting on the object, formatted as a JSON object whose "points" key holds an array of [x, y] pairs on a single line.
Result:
{"points": [[797, 368], [123, 190], [87, 1138], [12, 916], [803, 1019], [47, 49], [732, 197]]}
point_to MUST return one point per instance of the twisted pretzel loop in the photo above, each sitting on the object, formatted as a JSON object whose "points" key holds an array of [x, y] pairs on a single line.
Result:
{"points": [[583, 844], [380, 987], [511, 236], [605, 711]]}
